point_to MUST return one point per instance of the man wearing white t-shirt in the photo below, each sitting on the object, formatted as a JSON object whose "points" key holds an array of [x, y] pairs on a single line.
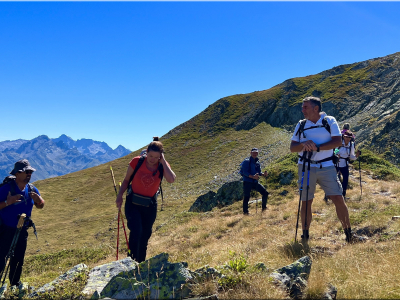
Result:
{"points": [[319, 134]]}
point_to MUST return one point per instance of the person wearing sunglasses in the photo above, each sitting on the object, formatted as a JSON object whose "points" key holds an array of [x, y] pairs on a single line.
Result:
{"points": [[17, 196]]}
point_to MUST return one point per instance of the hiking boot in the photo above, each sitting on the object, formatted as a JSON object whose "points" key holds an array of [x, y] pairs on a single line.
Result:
{"points": [[305, 239], [356, 239], [246, 214], [263, 209]]}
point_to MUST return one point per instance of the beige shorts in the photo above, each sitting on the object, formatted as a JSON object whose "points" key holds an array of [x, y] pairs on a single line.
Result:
{"points": [[326, 177]]}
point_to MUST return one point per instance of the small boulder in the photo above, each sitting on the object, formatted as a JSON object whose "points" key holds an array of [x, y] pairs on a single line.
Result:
{"points": [[203, 203], [226, 195], [293, 278], [155, 278], [100, 276], [206, 273], [330, 293], [67, 276]]}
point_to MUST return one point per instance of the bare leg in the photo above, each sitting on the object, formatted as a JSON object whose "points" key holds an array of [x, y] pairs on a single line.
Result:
{"points": [[341, 210], [303, 214]]}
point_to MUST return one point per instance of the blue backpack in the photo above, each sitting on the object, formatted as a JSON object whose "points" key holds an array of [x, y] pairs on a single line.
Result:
{"points": [[241, 171]]}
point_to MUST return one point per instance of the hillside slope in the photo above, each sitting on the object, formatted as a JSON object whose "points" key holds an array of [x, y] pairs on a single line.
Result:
{"points": [[366, 94], [205, 152]]}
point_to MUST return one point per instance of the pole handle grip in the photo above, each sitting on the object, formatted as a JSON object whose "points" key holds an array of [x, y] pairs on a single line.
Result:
{"points": [[21, 221]]}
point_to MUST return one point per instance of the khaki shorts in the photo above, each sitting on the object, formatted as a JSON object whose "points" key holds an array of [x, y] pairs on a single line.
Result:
{"points": [[326, 177]]}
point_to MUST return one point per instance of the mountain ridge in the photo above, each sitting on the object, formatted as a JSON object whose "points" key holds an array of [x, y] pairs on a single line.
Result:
{"points": [[350, 92], [55, 157]]}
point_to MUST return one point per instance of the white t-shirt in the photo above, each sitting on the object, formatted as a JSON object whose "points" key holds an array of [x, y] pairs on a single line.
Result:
{"points": [[346, 151], [319, 136]]}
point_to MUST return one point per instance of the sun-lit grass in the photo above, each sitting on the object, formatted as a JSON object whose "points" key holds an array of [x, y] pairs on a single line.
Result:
{"points": [[79, 222]]}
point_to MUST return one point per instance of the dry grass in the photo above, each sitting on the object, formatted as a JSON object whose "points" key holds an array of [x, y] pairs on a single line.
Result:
{"points": [[80, 212]]}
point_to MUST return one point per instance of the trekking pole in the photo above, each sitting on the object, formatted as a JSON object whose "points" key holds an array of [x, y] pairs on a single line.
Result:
{"points": [[119, 215], [308, 187], [301, 191], [10, 253], [123, 226], [359, 169]]}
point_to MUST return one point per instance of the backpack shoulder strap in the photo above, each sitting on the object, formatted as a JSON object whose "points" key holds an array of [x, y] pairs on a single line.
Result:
{"points": [[301, 128], [31, 187], [140, 162], [326, 124]]}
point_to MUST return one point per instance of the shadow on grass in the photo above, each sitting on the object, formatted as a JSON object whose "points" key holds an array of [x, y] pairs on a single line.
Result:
{"points": [[296, 250]]}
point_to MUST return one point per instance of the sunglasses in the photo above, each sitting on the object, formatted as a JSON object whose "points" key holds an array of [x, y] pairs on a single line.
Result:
{"points": [[27, 172]]}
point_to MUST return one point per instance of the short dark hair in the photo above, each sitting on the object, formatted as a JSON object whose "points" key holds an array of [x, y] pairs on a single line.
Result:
{"points": [[155, 145], [315, 101]]}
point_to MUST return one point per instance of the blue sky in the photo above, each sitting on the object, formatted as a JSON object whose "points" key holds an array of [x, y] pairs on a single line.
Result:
{"points": [[127, 71]]}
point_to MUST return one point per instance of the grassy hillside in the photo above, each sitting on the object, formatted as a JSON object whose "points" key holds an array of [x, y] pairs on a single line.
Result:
{"points": [[79, 222], [365, 94]]}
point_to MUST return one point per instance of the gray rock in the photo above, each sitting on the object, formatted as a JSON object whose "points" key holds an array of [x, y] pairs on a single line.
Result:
{"points": [[99, 276], [293, 278], [330, 293], [206, 273], [203, 202], [227, 194], [155, 278], [67, 276]]}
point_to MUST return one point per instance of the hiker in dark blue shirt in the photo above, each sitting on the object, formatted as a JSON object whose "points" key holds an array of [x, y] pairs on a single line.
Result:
{"points": [[17, 197], [251, 172]]}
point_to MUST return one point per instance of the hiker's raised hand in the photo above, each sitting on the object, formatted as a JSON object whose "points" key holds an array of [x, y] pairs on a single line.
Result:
{"points": [[162, 159], [265, 174], [13, 199], [36, 198]]}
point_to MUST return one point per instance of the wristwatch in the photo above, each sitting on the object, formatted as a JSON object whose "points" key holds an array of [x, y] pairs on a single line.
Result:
{"points": [[6, 203], [317, 148]]}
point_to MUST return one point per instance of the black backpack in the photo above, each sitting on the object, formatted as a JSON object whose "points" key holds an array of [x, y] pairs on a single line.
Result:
{"points": [[10, 179], [301, 129], [160, 168]]}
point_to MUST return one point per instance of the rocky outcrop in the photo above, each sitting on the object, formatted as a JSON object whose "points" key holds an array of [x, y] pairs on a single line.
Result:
{"points": [[100, 276], [293, 278], [227, 194], [67, 276], [155, 278]]}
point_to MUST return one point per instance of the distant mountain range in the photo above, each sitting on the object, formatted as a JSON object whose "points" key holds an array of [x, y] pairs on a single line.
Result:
{"points": [[55, 157]]}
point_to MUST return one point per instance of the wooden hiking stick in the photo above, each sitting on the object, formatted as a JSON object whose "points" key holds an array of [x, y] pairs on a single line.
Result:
{"points": [[119, 216]]}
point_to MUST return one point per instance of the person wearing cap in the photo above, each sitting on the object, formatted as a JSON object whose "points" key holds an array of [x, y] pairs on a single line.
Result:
{"points": [[17, 196], [251, 172], [346, 153], [319, 134]]}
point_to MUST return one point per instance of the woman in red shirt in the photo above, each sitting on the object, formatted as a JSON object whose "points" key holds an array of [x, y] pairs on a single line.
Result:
{"points": [[145, 182]]}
